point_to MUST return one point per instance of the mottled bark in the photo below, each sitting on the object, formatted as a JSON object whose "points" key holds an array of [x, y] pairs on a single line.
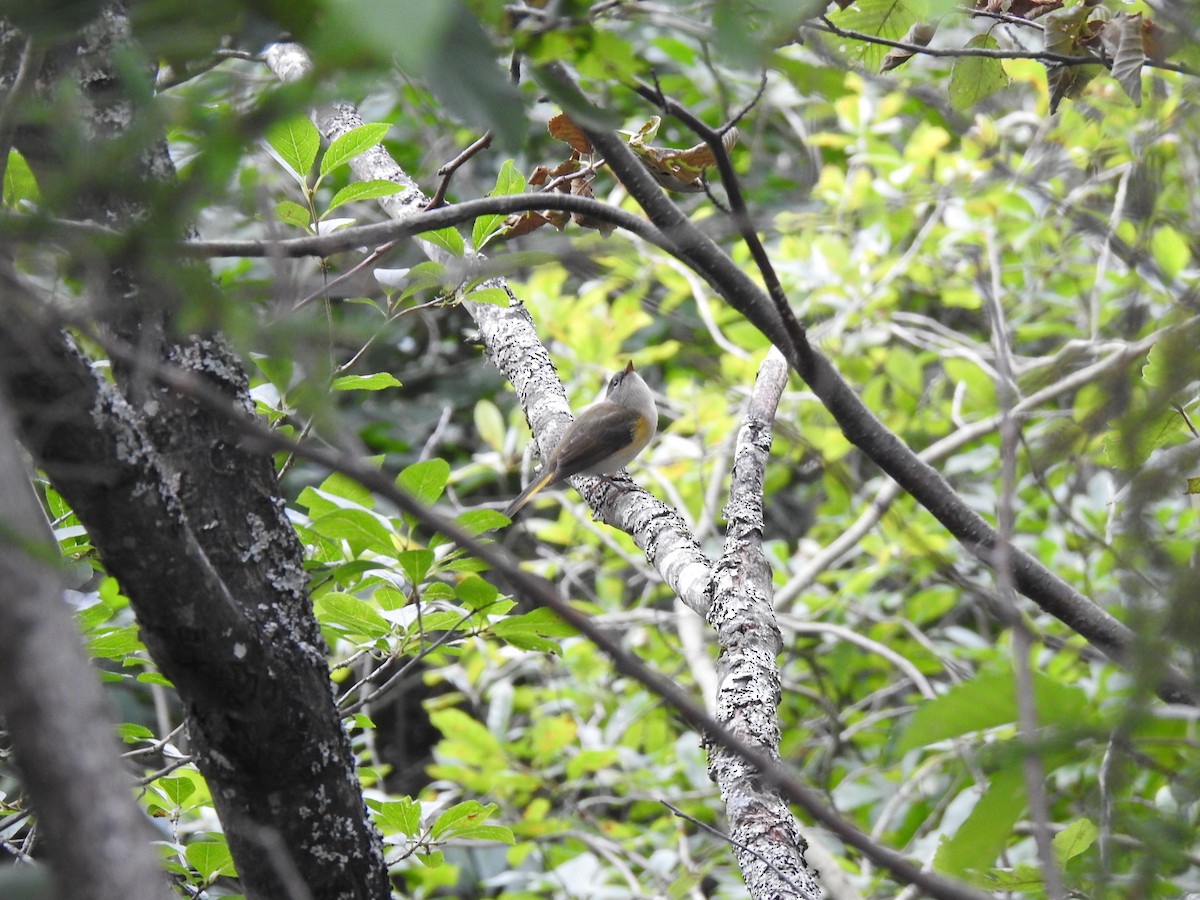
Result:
{"points": [[190, 522]]}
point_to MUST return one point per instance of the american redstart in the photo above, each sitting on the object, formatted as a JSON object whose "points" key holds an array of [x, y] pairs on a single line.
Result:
{"points": [[603, 439]]}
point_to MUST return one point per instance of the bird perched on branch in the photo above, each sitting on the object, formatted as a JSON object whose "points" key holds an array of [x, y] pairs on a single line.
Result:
{"points": [[603, 439]]}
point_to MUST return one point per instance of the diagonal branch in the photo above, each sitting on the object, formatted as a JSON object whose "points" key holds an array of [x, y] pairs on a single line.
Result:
{"points": [[858, 423], [253, 436]]}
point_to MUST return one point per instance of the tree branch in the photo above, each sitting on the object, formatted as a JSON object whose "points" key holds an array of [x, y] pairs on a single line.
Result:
{"points": [[770, 850], [254, 437], [857, 422]]}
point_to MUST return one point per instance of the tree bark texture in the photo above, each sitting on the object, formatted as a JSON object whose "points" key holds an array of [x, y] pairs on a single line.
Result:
{"points": [[190, 523], [96, 838]]}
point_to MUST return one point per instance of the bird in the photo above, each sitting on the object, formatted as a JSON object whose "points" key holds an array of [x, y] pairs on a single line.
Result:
{"points": [[604, 438]]}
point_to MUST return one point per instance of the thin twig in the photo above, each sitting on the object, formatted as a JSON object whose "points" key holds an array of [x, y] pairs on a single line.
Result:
{"points": [[1007, 18], [29, 228], [740, 213], [168, 77], [1032, 769], [1058, 59], [447, 171], [717, 833], [1042, 56]]}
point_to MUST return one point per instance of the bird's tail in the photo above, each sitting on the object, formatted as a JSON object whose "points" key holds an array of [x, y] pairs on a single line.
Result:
{"points": [[544, 479]]}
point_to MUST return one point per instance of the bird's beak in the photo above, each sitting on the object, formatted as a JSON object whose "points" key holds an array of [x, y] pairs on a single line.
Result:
{"points": [[629, 367]]}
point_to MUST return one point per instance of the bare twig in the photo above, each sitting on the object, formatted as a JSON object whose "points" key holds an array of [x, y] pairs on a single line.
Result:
{"points": [[1042, 56], [1031, 762], [28, 228], [737, 845], [446, 172]]}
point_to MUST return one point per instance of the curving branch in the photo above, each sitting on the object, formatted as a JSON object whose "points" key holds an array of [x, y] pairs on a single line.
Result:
{"points": [[858, 423], [1045, 57], [72, 232]]}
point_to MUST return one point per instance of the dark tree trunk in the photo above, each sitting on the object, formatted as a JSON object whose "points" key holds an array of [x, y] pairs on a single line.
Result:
{"points": [[188, 520]]}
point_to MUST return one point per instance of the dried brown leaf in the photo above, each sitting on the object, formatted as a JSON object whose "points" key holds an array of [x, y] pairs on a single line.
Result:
{"points": [[1130, 56], [563, 129], [581, 187], [523, 223]]}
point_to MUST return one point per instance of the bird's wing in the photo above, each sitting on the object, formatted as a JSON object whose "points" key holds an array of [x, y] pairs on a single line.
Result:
{"points": [[603, 439]]}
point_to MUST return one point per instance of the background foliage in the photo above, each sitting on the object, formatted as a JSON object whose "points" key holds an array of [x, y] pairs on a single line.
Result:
{"points": [[912, 218]]}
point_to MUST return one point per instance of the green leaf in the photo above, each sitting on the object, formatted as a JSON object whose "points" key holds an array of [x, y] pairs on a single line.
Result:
{"points": [[465, 564], [1169, 249], [316, 505], [447, 238], [351, 615], [483, 229], [466, 739], [972, 78], [292, 213], [177, 790], [489, 422], [462, 819], [477, 521], [154, 678], [132, 733], [345, 487], [210, 859], [585, 762], [116, 643], [612, 57], [364, 190], [390, 598], [296, 142], [441, 44], [880, 18], [508, 182], [475, 593], [746, 32], [492, 296], [985, 832], [533, 631], [378, 382], [91, 617], [415, 564], [401, 816], [425, 480], [359, 528], [445, 620], [1075, 839], [19, 183], [1022, 879], [989, 701], [277, 370], [353, 143]]}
